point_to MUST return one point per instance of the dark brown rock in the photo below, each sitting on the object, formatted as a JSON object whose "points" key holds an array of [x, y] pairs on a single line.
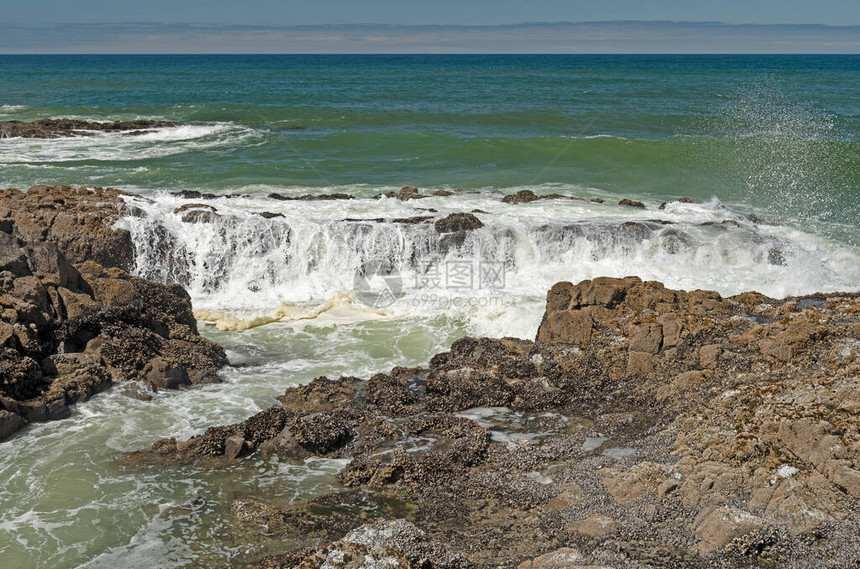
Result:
{"points": [[162, 374], [189, 206], [631, 203], [408, 193], [194, 195], [451, 241], [522, 196], [312, 197], [458, 222], [10, 423], [405, 193], [12, 257], [396, 544], [55, 128], [200, 216]]}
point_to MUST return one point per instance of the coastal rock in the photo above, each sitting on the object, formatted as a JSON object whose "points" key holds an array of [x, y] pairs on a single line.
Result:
{"points": [[56, 128], [9, 423], [717, 527], [679, 200], [631, 203], [312, 197], [456, 222], [522, 196], [68, 331], [392, 544], [194, 195], [452, 241], [78, 220], [563, 558], [683, 428], [405, 193]]}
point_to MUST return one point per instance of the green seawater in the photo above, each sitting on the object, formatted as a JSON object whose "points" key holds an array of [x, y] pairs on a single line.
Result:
{"points": [[778, 136], [776, 132]]}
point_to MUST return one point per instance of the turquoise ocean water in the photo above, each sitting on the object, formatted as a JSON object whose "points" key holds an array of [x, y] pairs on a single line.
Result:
{"points": [[777, 136]]}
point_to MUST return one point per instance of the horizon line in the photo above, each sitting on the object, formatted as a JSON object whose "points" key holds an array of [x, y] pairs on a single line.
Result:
{"points": [[438, 54], [390, 25]]}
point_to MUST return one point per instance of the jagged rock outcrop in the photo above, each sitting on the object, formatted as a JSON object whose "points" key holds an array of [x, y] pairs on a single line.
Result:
{"points": [[78, 220], [456, 222], [70, 327], [56, 128]]}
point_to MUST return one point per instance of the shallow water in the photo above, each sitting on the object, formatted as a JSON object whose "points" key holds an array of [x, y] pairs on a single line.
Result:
{"points": [[774, 136]]}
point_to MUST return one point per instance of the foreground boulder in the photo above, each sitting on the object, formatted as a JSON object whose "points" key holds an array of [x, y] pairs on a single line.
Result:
{"points": [[643, 427], [70, 329]]}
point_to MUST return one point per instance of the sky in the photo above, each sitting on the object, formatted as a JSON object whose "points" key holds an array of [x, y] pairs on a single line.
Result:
{"points": [[446, 26]]}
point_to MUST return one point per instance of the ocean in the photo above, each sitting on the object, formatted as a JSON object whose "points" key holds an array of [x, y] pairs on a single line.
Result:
{"points": [[766, 148]]}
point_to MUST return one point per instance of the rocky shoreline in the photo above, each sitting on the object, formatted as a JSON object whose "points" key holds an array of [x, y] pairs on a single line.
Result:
{"points": [[642, 427], [72, 320]]}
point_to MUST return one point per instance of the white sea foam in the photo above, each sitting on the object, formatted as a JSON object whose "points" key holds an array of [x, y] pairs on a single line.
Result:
{"points": [[110, 146], [9, 111], [241, 267]]}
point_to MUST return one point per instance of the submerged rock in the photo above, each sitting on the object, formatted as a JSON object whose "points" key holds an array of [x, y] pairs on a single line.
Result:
{"points": [[311, 197], [631, 203], [522, 196]]}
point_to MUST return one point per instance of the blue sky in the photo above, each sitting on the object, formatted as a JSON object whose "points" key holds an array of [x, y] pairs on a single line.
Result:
{"points": [[434, 26]]}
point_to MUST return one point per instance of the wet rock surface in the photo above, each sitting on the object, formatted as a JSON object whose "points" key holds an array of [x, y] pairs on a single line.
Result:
{"points": [[70, 326], [643, 427], [56, 128]]}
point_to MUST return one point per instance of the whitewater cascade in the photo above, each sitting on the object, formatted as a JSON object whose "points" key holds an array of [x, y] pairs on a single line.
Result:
{"points": [[272, 260]]}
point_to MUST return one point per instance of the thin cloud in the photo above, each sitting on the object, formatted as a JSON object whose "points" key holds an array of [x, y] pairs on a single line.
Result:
{"points": [[566, 37]]}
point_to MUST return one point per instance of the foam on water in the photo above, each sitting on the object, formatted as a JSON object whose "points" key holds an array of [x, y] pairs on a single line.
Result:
{"points": [[245, 270], [341, 307], [11, 110], [66, 502], [120, 146]]}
